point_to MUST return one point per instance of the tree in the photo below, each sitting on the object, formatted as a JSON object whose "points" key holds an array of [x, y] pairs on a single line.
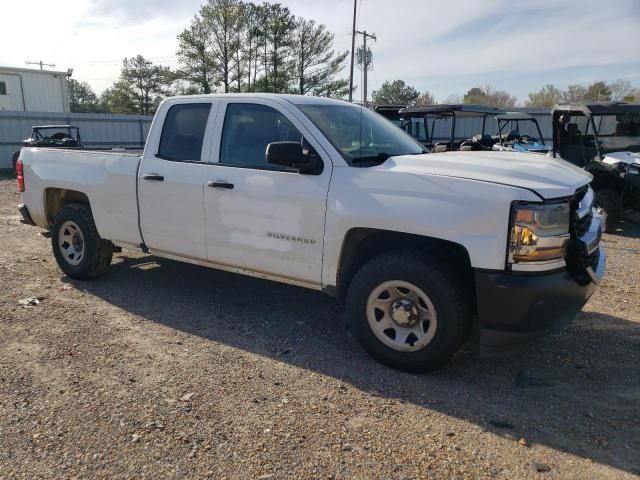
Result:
{"points": [[490, 96], [395, 93], [547, 96], [82, 99], [333, 89], [315, 62], [598, 92], [195, 57], [251, 38], [452, 99], [118, 99], [574, 94], [621, 89], [425, 98], [475, 95], [144, 82], [277, 37], [223, 20]]}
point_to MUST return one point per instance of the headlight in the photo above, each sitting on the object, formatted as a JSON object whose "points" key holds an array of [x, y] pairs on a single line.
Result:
{"points": [[539, 235], [633, 170]]}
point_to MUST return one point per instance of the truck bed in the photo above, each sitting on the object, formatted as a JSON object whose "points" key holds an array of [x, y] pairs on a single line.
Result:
{"points": [[107, 178]]}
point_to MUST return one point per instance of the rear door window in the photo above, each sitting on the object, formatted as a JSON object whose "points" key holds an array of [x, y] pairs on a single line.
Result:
{"points": [[183, 132]]}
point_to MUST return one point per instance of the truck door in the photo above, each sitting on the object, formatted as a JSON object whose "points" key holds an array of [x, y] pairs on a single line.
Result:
{"points": [[172, 178], [260, 217]]}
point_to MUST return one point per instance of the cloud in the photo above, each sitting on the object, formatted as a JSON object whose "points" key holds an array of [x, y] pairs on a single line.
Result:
{"points": [[440, 45]]}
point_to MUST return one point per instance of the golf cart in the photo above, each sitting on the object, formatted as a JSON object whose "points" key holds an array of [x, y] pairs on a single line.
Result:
{"points": [[414, 126], [519, 132], [51, 136], [604, 139], [440, 116]]}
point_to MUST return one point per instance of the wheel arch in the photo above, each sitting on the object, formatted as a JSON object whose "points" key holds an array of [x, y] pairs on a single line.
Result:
{"points": [[56, 198], [362, 244]]}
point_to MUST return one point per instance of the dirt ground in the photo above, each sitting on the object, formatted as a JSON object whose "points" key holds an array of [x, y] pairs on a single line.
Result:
{"points": [[167, 370]]}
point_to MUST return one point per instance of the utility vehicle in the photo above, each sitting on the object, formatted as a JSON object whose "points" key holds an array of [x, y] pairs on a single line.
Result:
{"points": [[604, 139], [519, 132], [446, 116], [51, 136]]}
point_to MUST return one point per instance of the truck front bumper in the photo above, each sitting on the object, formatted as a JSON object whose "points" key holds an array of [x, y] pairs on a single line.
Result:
{"points": [[516, 309], [26, 216]]}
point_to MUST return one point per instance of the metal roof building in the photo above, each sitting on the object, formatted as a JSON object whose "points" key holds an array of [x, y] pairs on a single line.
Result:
{"points": [[30, 90]]}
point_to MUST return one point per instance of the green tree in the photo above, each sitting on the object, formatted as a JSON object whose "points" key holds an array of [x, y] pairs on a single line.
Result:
{"points": [[197, 62], [490, 96], [598, 92], [82, 98], [236, 45], [333, 89], [118, 99], [547, 96], [475, 95], [395, 93], [223, 20], [144, 82], [314, 59], [277, 37]]}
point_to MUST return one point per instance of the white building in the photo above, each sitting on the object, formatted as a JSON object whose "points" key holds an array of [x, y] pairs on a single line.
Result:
{"points": [[31, 90]]}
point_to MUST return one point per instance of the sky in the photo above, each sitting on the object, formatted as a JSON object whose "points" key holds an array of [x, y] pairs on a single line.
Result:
{"points": [[443, 46]]}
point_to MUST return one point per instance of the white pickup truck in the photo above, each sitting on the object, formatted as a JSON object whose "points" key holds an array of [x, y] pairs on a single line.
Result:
{"points": [[426, 249]]}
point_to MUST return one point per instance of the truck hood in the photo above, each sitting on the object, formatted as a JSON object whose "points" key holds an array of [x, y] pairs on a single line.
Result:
{"points": [[548, 177]]}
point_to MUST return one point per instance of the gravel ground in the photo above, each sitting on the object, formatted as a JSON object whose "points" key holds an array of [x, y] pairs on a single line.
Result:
{"points": [[166, 370]]}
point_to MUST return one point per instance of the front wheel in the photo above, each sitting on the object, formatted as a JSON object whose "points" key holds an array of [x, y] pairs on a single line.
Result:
{"points": [[408, 311], [611, 202], [79, 250]]}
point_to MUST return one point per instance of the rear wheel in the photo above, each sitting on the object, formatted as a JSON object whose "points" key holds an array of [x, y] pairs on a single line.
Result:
{"points": [[408, 311], [611, 202], [77, 247]]}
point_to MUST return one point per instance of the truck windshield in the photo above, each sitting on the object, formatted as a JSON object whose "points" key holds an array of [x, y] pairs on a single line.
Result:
{"points": [[360, 134]]}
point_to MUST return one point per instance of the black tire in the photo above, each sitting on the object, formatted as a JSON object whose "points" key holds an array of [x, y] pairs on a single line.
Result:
{"points": [[439, 282], [97, 253], [611, 203]]}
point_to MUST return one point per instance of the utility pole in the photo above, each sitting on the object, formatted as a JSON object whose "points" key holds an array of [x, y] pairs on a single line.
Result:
{"points": [[353, 47], [365, 58], [42, 64]]}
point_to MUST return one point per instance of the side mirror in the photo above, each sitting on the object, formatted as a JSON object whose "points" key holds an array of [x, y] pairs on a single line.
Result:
{"points": [[291, 155]]}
